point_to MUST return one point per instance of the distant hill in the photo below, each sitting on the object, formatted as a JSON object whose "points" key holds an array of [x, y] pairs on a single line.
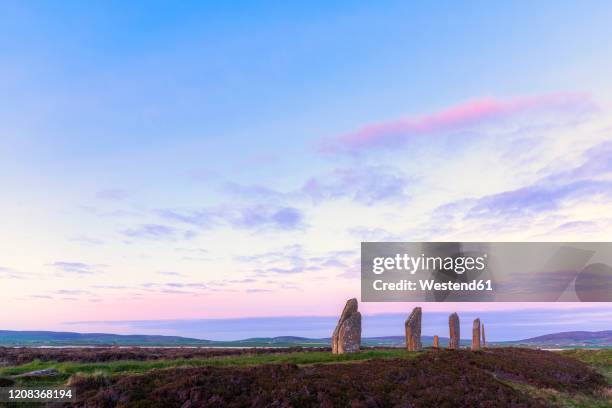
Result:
{"points": [[572, 339], [49, 338]]}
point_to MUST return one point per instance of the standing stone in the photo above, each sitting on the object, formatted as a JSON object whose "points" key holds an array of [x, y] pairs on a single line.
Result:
{"points": [[484, 341], [453, 325], [436, 343], [347, 335], [476, 335], [413, 330]]}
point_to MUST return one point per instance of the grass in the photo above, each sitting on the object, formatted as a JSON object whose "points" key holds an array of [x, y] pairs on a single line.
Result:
{"points": [[67, 369], [565, 400], [600, 359]]}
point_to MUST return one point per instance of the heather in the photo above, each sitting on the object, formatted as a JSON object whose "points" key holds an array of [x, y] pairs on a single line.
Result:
{"points": [[493, 377]]}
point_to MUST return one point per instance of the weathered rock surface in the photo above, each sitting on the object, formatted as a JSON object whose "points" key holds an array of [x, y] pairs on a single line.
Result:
{"points": [[484, 341], [476, 335], [436, 342], [455, 336], [413, 330], [347, 335]]}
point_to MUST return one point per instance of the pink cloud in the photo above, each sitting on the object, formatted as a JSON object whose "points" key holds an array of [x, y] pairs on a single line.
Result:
{"points": [[458, 117]]}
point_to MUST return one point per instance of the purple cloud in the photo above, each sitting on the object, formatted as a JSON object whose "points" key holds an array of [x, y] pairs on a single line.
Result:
{"points": [[576, 226], [79, 268], [597, 161], [202, 218], [254, 217], [366, 185], [287, 217], [292, 260], [9, 273], [586, 182], [538, 198], [284, 218]]}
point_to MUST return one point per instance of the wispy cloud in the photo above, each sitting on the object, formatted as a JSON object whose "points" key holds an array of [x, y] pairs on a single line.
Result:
{"points": [[9, 273], [254, 290], [455, 118], [202, 218], [364, 184], [596, 164], [284, 218], [293, 259], [87, 240], [112, 287], [577, 226], [170, 273], [79, 268], [176, 288], [71, 292], [589, 182], [250, 217], [367, 185], [538, 198], [158, 232]]}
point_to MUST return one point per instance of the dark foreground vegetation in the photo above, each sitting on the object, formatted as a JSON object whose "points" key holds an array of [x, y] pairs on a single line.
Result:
{"points": [[501, 377], [17, 356]]}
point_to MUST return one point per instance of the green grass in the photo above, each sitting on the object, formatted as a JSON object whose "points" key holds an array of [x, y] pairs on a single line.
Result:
{"points": [[565, 400], [600, 359], [66, 369]]}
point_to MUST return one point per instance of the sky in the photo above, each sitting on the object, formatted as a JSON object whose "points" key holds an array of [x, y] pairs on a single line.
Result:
{"points": [[223, 160]]}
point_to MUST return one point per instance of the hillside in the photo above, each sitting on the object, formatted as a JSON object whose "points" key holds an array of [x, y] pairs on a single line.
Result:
{"points": [[572, 339], [50, 338]]}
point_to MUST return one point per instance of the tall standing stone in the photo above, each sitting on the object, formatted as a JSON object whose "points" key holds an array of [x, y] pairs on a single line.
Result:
{"points": [[347, 335], [436, 343], [476, 335], [484, 340], [453, 325], [413, 330]]}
